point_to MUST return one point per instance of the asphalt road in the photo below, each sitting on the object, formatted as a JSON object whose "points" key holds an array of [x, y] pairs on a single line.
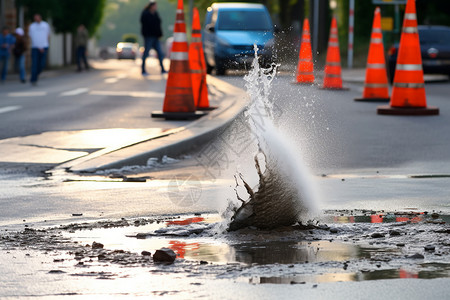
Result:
{"points": [[336, 134], [115, 95], [358, 158]]}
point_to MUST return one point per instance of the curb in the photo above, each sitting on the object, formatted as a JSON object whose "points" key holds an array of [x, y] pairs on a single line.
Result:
{"points": [[171, 143]]}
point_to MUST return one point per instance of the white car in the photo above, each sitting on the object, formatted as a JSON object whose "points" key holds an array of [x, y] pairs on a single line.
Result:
{"points": [[127, 50]]}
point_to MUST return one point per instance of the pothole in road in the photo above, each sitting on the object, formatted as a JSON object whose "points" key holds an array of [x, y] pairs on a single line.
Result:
{"points": [[347, 246], [353, 246]]}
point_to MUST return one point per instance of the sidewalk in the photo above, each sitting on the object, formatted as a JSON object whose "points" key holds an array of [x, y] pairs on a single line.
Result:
{"points": [[232, 101]]}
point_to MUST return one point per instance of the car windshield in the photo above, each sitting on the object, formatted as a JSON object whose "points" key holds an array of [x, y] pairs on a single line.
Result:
{"points": [[243, 20], [434, 36]]}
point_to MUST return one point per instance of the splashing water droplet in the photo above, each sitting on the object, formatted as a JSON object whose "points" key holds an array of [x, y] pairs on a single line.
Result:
{"points": [[284, 194]]}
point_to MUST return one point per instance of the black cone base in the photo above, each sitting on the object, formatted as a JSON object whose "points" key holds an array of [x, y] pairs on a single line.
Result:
{"points": [[178, 115], [408, 111], [372, 99]]}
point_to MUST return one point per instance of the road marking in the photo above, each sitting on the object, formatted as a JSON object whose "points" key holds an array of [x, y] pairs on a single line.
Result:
{"points": [[111, 80], [127, 93], [27, 94], [75, 92], [9, 108]]}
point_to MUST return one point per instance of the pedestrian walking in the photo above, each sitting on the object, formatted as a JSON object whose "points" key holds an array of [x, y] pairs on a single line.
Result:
{"points": [[151, 31], [39, 32], [19, 53], [81, 41], [7, 41]]}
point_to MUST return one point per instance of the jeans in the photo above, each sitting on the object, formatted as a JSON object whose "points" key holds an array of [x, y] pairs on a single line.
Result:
{"points": [[152, 42], [81, 57], [20, 65], [38, 60], [4, 61]]}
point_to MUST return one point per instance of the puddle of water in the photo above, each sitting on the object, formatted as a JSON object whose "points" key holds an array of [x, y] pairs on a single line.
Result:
{"points": [[381, 217], [439, 271], [219, 250], [302, 261]]}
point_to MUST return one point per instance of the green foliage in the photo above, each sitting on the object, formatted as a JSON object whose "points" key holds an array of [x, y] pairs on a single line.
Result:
{"points": [[67, 15], [130, 38]]}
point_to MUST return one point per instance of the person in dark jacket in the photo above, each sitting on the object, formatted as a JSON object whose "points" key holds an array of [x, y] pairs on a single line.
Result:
{"points": [[151, 31], [81, 40], [19, 53], [7, 42]]}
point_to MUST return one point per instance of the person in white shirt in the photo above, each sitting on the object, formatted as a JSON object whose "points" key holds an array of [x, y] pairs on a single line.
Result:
{"points": [[39, 32]]}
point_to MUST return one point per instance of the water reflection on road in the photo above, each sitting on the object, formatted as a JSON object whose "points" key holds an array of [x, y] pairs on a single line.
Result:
{"points": [[301, 256]]}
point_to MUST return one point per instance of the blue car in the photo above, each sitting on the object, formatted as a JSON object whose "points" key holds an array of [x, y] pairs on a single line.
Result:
{"points": [[231, 30]]}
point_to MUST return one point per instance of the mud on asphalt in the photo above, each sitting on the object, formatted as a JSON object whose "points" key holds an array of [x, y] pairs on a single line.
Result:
{"points": [[342, 246]]}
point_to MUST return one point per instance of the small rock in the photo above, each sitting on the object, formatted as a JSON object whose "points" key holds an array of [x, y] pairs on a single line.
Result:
{"points": [[334, 230], [164, 255], [96, 245], [146, 253], [141, 236], [56, 272], [394, 233], [377, 235], [435, 215], [429, 248], [416, 256]]}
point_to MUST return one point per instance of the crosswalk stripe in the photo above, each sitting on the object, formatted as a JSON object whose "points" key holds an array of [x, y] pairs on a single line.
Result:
{"points": [[111, 80], [27, 94], [9, 108], [127, 93], [75, 92]]}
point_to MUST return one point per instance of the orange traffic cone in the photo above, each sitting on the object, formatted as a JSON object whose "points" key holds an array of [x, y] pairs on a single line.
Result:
{"points": [[376, 85], [408, 93], [305, 68], [332, 78], [179, 100], [198, 65]]}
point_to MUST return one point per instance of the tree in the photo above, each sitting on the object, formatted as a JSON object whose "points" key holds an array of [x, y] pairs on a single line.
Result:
{"points": [[67, 15]]}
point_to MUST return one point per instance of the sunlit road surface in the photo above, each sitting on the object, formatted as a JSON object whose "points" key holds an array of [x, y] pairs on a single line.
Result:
{"points": [[69, 115], [358, 159]]}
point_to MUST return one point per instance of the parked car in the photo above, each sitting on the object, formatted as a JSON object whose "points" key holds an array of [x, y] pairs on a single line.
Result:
{"points": [[127, 50], [435, 49], [230, 32]]}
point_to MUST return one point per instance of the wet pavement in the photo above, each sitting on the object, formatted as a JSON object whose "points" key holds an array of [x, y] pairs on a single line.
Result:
{"points": [[382, 233], [344, 246]]}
